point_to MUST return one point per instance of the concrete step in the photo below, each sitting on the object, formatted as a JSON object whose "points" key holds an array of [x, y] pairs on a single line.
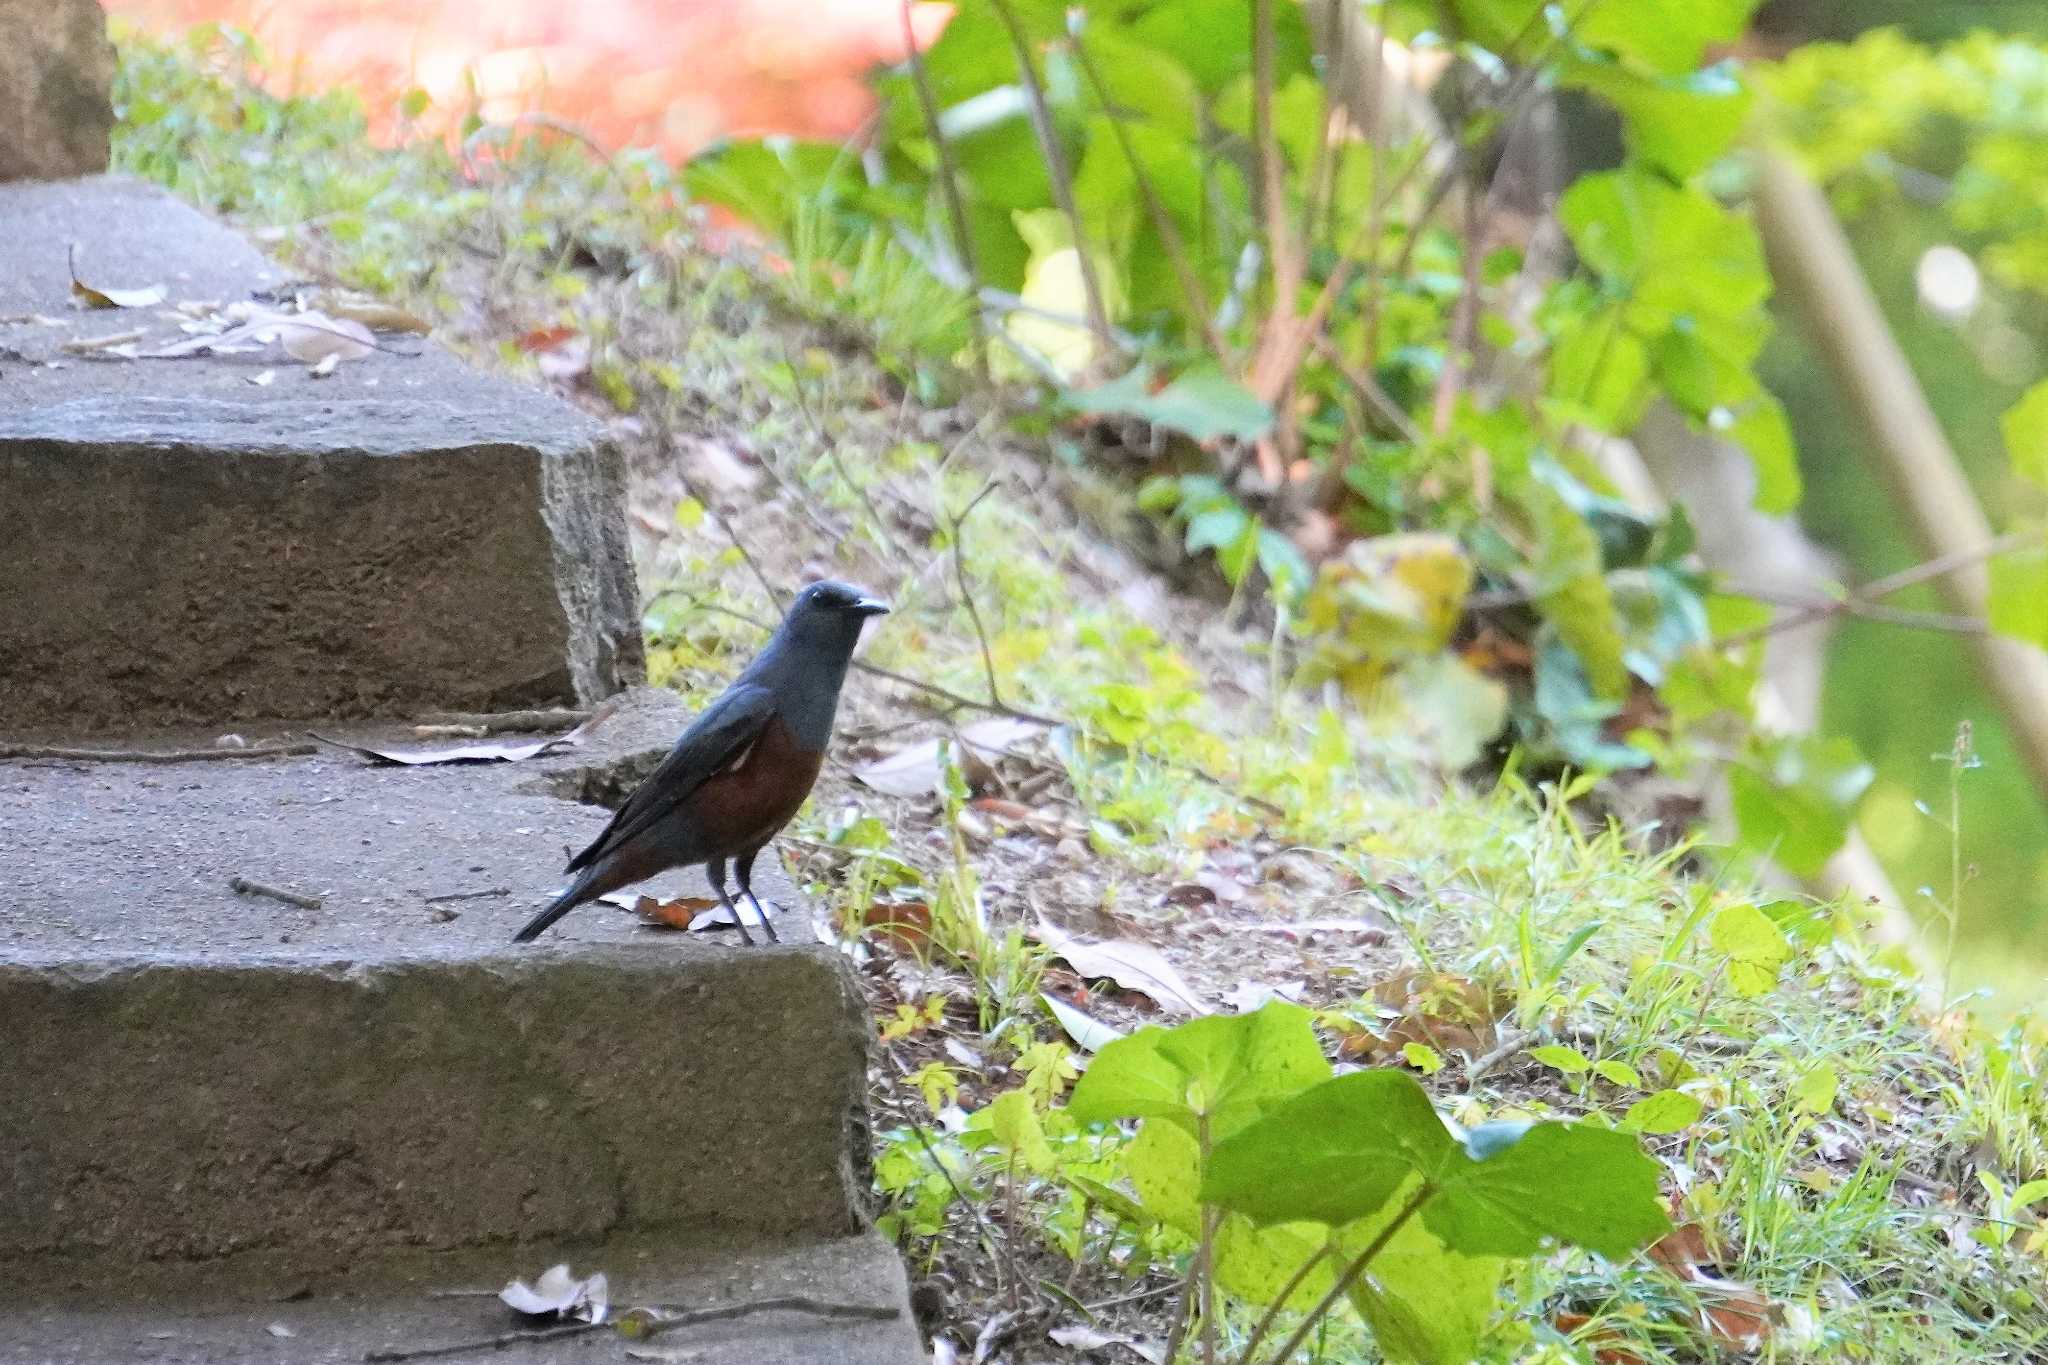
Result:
{"points": [[418, 1303], [179, 544], [194, 1076]]}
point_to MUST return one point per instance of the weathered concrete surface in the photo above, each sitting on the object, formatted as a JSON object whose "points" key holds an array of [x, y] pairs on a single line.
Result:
{"points": [[56, 83], [393, 1307], [179, 545], [193, 1074]]}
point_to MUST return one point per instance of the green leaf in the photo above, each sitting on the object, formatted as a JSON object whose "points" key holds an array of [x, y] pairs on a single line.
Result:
{"points": [[1164, 1167], [1227, 1067], [1201, 404], [1679, 124], [1598, 367], [1511, 1189], [1667, 1111], [1570, 588], [1568, 1060], [1332, 1154], [1618, 1073], [2025, 425], [1422, 1057], [1814, 1093], [763, 179], [1339, 1152], [2018, 600], [1761, 429], [1426, 1303], [1211, 39], [1662, 37], [1255, 1263], [1754, 948], [1016, 1127], [1795, 803]]}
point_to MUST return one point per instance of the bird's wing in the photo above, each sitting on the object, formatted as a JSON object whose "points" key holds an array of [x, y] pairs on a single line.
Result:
{"points": [[723, 733]]}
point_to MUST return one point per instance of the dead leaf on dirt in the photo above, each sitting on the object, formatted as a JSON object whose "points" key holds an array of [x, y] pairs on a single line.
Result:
{"points": [[915, 771], [558, 1293], [1683, 1250], [1440, 1011], [545, 338], [1188, 894], [1089, 1033], [680, 913], [904, 925], [1609, 1346], [1084, 1338], [314, 337], [1247, 996], [91, 296], [512, 752], [1134, 966], [1737, 1316]]}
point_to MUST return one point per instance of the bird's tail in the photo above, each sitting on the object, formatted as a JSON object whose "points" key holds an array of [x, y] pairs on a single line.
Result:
{"points": [[560, 906]]}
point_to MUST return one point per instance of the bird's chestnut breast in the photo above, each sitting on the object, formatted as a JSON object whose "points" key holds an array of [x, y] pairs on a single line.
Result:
{"points": [[743, 806]]}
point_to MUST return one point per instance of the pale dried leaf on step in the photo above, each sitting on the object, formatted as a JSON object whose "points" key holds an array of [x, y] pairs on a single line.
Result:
{"points": [[665, 1353], [312, 337], [1089, 1033], [509, 752], [348, 306], [1134, 966], [559, 1293], [93, 296], [1080, 1337]]}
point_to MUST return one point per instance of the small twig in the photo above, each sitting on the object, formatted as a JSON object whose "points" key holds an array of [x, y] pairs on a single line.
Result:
{"points": [[996, 1244], [469, 895], [732, 533], [1511, 1042], [954, 698], [949, 185], [1350, 1274], [496, 1343], [792, 1303], [803, 405], [156, 755], [1279, 1304], [499, 722], [248, 886], [988, 658]]}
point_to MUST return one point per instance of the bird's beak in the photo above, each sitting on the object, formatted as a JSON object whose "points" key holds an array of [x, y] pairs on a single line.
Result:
{"points": [[871, 606]]}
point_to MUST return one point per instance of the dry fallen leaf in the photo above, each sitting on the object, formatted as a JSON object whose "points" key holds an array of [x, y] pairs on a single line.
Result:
{"points": [[480, 753], [1134, 966], [1441, 1011], [1089, 1033], [1083, 1338], [1609, 1347], [93, 297], [915, 771], [1736, 1315], [347, 306], [679, 913], [559, 1293], [904, 925]]}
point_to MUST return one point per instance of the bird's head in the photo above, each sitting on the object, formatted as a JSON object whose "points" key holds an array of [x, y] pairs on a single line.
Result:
{"points": [[830, 614]]}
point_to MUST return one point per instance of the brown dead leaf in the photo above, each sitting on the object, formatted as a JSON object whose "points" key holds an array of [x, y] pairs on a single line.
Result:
{"points": [[544, 338], [1609, 1346], [1683, 1250], [1135, 966], [1188, 894], [90, 296], [376, 314], [903, 925], [679, 913], [1737, 1316], [1441, 1011]]}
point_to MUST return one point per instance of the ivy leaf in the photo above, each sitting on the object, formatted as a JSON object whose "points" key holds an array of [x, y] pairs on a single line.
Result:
{"points": [[2025, 425], [1754, 948], [1426, 1303], [1224, 1067], [1814, 1093], [1340, 1151], [1201, 404]]}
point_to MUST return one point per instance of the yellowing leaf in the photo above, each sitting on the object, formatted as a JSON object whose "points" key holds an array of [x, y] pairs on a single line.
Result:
{"points": [[1814, 1093], [1755, 948], [1667, 1111], [1015, 1125]]}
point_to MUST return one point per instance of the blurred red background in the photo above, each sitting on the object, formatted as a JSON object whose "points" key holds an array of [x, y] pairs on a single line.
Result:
{"points": [[671, 74]]}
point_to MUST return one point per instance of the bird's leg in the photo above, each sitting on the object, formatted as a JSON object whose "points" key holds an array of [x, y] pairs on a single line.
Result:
{"points": [[743, 872], [715, 872]]}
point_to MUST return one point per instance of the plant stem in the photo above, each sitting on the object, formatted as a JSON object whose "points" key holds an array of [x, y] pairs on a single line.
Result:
{"points": [[1349, 1275], [949, 183], [1191, 289], [1056, 167], [1274, 1309]]}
